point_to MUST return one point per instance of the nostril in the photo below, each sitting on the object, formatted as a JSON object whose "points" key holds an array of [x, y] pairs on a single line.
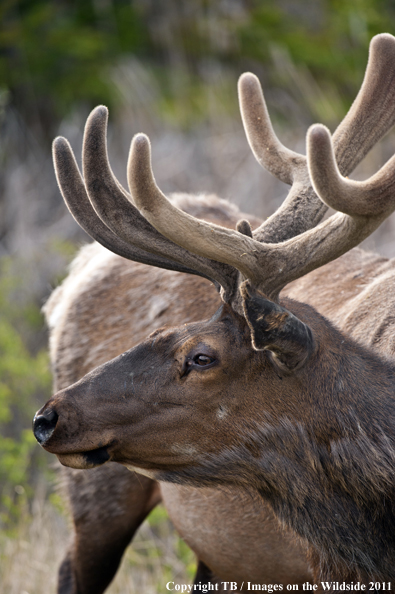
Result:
{"points": [[44, 425]]}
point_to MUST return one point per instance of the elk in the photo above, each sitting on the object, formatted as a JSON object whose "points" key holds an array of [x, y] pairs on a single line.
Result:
{"points": [[267, 395]]}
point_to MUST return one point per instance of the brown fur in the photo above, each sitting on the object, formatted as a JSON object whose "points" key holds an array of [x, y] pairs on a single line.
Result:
{"points": [[109, 304], [280, 404], [117, 283]]}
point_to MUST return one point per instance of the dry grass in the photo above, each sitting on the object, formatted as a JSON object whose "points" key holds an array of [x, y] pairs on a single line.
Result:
{"points": [[30, 556]]}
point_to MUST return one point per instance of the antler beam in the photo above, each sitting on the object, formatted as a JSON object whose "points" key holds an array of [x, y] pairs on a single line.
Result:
{"points": [[214, 241]]}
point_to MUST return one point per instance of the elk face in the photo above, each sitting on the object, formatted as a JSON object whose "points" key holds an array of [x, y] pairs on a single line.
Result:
{"points": [[180, 395]]}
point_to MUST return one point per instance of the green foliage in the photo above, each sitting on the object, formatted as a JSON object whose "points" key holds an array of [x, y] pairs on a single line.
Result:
{"points": [[24, 382], [53, 55], [150, 553], [330, 39], [185, 554], [56, 55]]}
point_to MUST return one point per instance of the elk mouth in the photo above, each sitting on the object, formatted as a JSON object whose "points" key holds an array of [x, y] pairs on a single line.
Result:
{"points": [[86, 460]]}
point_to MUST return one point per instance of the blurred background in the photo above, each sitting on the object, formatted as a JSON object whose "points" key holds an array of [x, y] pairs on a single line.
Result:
{"points": [[168, 68]]}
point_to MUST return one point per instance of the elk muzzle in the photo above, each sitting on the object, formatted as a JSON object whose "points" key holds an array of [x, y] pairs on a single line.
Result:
{"points": [[46, 421]]}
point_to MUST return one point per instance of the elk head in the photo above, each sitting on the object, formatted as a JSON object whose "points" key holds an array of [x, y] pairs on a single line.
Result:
{"points": [[184, 395]]}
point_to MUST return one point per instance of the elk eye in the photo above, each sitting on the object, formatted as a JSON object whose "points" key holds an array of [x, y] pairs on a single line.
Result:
{"points": [[202, 360]]}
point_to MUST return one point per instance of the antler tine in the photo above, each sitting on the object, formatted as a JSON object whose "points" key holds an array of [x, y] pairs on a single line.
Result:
{"points": [[370, 117], [200, 237], [74, 194], [363, 207], [301, 209], [119, 214], [373, 112], [373, 197], [268, 150]]}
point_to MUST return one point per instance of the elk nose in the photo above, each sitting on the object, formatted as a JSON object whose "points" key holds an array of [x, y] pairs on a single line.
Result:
{"points": [[44, 425]]}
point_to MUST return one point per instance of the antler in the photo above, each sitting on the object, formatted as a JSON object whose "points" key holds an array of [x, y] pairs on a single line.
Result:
{"points": [[75, 197], [370, 117], [105, 210], [185, 243], [270, 267]]}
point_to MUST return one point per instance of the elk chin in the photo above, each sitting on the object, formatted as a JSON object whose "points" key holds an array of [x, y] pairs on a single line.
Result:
{"points": [[85, 460]]}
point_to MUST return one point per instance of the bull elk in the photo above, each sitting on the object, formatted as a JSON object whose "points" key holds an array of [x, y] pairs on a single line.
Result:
{"points": [[267, 396]]}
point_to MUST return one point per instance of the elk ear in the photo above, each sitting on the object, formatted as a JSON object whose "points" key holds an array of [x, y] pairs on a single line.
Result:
{"points": [[275, 329]]}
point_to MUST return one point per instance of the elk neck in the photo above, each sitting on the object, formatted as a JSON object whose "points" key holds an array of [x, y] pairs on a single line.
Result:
{"points": [[326, 461]]}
